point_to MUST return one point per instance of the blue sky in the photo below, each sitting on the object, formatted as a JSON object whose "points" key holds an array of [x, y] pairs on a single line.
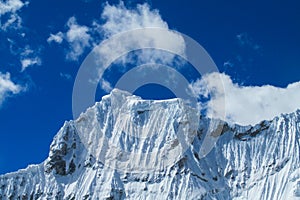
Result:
{"points": [[254, 43]]}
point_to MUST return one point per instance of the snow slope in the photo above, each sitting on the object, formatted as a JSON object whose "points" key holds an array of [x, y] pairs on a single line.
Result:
{"points": [[127, 148]]}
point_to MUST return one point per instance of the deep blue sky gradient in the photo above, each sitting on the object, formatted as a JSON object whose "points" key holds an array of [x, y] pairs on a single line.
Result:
{"points": [[29, 120]]}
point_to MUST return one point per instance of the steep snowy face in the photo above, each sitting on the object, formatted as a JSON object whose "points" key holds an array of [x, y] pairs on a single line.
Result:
{"points": [[125, 147], [263, 161], [127, 133]]}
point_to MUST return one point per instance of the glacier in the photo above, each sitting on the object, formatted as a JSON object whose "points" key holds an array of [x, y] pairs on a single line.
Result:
{"points": [[125, 147]]}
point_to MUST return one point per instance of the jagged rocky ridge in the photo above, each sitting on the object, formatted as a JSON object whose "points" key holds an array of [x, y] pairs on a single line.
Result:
{"points": [[247, 162]]}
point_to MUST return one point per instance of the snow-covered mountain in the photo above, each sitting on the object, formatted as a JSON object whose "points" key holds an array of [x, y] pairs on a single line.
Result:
{"points": [[128, 148]]}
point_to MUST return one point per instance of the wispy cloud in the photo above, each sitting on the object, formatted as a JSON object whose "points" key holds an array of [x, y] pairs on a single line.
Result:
{"points": [[7, 87], [65, 76], [58, 38], [117, 19], [10, 6], [246, 104], [228, 64], [10, 9], [27, 54], [27, 62], [246, 55], [77, 36], [245, 40], [105, 85], [29, 57]]}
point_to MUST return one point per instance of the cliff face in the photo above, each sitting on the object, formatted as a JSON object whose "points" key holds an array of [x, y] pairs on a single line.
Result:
{"points": [[128, 148]]}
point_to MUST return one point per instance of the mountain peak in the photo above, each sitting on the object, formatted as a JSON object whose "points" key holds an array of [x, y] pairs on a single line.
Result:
{"points": [[125, 147], [126, 132], [117, 93]]}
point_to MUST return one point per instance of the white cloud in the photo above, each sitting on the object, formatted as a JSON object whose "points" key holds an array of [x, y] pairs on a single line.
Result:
{"points": [[116, 19], [78, 38], [13, 21], [58, 38], [11, 25], [119, 18], [29, 58], [246, 104], [10, 8], [7, 87], [27, 62], [105, 85]]}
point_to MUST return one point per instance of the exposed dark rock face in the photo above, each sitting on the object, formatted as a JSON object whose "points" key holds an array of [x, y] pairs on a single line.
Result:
{"points": [[61, 150]]}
